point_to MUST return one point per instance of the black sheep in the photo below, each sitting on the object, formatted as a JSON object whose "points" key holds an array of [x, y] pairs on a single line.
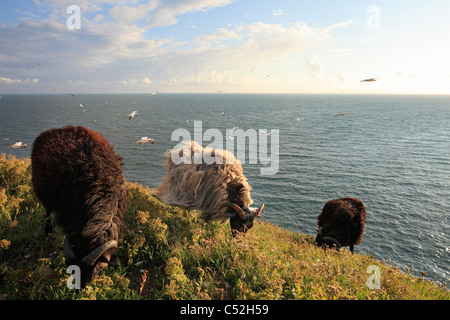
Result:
{"points": [[77, 174], [341, 223]]}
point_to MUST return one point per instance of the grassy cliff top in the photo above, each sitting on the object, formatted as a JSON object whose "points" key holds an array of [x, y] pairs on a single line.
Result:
{"points": [[169, 253]]}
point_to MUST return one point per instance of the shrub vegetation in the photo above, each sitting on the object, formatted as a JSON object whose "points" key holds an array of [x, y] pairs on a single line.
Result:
{"points": [[169, 253]]}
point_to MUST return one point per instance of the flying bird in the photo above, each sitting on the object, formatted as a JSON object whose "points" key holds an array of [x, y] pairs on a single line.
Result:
{"points": [[132, 115], [369, 80], [19, 144], [6, 69], [146, 140], [268, 75]]}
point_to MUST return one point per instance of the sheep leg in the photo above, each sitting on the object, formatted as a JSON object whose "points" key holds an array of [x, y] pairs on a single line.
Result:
{"points": [[351, 248], [48, 223], [319, 237]]}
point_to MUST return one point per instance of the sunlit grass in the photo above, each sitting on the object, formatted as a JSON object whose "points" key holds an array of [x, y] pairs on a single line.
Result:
{"points": [[169, 253]]}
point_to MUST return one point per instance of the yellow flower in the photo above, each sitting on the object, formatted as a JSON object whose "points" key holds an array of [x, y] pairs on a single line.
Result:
{"points": [[4, 244], [142, 217]]}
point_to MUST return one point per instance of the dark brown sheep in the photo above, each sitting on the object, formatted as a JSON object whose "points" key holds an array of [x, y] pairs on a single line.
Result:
{"points": [[341, 223], [77, 174]]}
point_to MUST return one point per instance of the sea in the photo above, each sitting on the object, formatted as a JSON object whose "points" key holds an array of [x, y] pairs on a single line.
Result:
{"points": [[390, 151]]}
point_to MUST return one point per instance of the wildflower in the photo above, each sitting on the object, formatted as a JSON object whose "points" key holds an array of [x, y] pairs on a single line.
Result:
{"points": [[174, 270], [142, 217], [4, 244], [156, 230]]}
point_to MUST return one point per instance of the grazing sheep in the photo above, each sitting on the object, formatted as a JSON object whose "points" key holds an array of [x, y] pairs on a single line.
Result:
{"points": [[77, 174], [219, 190], [341, 223]]}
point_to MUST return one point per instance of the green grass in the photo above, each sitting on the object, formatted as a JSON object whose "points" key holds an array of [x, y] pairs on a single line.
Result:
{"points": [[169, 253]]}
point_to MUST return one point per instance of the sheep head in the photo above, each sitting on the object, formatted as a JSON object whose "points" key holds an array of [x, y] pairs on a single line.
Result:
{"points": [[241, 219], [91, 263]]}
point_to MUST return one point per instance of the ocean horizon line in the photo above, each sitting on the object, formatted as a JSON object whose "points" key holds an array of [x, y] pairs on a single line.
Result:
{"points": [[228, 93]]}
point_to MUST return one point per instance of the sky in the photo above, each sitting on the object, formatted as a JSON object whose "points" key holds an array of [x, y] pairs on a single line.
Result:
{"points": [[225, 46]]}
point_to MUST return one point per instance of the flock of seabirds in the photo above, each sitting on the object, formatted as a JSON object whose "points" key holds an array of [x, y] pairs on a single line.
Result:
{"points": [[133, 114]]}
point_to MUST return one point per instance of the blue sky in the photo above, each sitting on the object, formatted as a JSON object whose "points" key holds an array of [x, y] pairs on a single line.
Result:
{"points": [[141, 46]]}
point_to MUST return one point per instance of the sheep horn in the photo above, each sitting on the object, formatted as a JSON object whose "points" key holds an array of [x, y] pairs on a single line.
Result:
{"points": [[236, 208], [92, 256], [332, 240], [258, 211]]}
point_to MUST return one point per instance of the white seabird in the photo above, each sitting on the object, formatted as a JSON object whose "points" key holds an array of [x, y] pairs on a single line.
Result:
{"points": [[146, 140], [132, 115], [19, 144]]}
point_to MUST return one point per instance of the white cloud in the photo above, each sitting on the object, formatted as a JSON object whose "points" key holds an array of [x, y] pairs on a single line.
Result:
{"points": [[315, 67], [166, 14], [342, 78], [155, 12], [98, 18], [10, 81], [145, 81], [297, 29], [216, 37], [120, 50], [86, 6], [15, 81], [278, 12], [162, 13], [258, 44], [210, 77], [127, 14], [339, 52], [226, 64], [337, 25]]}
